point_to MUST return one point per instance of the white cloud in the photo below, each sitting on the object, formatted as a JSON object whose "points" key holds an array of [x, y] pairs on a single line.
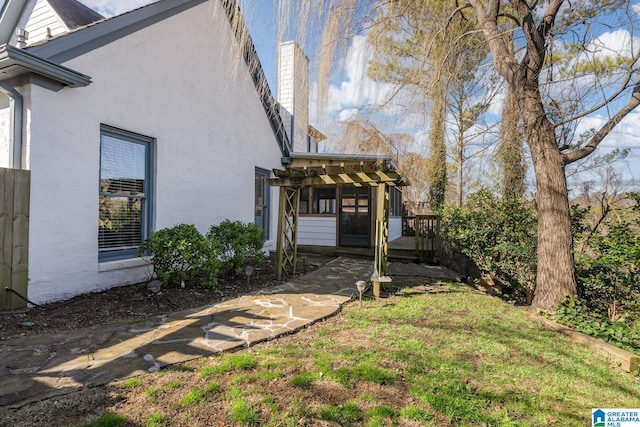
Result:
{"points": [[356, 88], [619, 42], [110, 8], [348, 114]]}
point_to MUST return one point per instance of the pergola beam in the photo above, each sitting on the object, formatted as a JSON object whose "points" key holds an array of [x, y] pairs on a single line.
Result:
{"points": [[288, 179]]}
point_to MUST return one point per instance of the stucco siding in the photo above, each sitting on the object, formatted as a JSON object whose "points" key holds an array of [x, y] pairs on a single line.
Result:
{"points": [[194, 96], [317, 231]]}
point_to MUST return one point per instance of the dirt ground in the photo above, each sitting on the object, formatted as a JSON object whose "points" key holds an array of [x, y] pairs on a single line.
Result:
{"points": [[136, 302]]}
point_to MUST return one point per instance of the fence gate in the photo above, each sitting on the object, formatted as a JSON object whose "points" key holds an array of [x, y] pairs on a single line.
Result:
{"points": [[14, 236]]}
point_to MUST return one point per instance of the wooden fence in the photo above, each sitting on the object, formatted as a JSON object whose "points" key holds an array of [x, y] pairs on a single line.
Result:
{"points": [[15, 188]]}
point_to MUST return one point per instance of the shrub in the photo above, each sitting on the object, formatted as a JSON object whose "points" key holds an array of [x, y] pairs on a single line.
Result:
{"points": [[241, 243], [577, 315], [180, 254], [500, 237], [609, 271]]}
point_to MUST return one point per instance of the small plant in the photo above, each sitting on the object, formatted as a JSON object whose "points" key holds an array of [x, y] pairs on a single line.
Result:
{"points": [[213, 387], [577, 315], [158, 420], [416, 414], [374, 374], [192, 398], [302, 380], [242, 361], [241, 243], [350, 412], [209, 371], [108, 419], [243, 413], [181, 254], [132, 382]]}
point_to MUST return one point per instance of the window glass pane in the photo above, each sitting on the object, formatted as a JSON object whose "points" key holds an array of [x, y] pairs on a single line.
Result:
{"points": [[124, 208], [119, 223], [324, 201], [304, 200], [122, 166], [261, 209]]}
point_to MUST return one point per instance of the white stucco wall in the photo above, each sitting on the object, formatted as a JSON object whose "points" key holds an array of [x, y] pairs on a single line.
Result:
{"points": [[179, 81], [317, 230], [5, 130]]}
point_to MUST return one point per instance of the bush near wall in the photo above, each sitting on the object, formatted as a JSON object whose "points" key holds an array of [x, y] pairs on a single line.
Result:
{"points": [[241, 244], [181, 254]]}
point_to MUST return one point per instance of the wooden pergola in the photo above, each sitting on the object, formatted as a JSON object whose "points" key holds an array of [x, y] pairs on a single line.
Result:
{"points": [[333, 170]]}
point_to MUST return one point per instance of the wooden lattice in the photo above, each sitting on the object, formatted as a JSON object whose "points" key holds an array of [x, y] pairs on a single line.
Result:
{"points": [[286, 247]]}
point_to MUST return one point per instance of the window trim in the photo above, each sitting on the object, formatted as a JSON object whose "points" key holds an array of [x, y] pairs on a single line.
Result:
{"points": [[147, 213]]}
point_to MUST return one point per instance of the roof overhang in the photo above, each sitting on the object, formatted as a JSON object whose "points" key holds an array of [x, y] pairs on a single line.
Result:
{"points": [[342, 170], [16, 63]]}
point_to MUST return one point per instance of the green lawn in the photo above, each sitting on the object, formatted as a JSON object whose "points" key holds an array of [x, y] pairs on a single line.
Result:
{"points": [[451, 357]]}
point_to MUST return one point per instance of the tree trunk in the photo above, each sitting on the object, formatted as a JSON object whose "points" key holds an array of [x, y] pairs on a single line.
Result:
{"points": [[510, 152], [556, 269], [437, 173]]}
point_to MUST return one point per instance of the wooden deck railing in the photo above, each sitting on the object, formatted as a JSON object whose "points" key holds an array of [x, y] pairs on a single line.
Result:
{"points": [[426, 229]]}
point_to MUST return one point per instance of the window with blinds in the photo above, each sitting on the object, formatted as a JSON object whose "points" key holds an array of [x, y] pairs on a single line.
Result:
{"points": [[125, 192], [261, 215]]}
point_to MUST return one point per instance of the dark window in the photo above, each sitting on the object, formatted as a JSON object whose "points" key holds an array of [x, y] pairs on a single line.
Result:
{"points": [[124, 219], [324, 200], [304, 200], [261, 215]]}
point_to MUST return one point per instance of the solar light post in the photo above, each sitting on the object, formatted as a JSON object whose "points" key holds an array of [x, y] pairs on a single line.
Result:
{"points": [[361, 285], [248, 270], [154, 287]]}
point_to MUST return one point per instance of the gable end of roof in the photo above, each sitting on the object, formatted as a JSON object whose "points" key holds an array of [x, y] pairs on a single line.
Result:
{"points": [[75, 14]]}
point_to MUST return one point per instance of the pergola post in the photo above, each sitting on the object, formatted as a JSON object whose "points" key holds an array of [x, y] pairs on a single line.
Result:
{"points": [[287, 241], [382, 238]]}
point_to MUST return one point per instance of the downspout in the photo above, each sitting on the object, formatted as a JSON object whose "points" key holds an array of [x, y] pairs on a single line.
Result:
{"points": [[15, 130]]}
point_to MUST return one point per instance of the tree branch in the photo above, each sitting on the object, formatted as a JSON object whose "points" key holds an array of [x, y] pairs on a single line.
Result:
{"points": [[607, 128], [604, 102]]}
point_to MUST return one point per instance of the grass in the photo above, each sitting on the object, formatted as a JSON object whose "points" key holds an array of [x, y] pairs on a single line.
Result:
{"points": [[449, 358]]}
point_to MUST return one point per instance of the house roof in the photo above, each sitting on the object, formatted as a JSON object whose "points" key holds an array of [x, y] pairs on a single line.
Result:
{"points": [[75, 14]]}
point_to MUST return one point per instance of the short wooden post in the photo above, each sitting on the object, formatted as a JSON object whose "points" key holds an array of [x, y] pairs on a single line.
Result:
{"points": [[382, 234]]}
